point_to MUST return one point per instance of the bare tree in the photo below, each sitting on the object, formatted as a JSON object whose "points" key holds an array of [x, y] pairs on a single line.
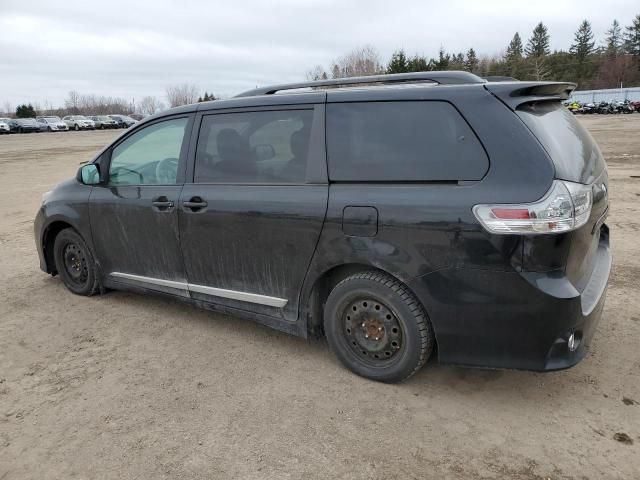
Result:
{"points": [[317, 73], [149, 105], [72, 102], [8, 108], [359, 62], [183, 94]]}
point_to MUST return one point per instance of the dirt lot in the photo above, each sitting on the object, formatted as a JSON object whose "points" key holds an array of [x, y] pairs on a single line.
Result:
{"points": [[128, 386]]}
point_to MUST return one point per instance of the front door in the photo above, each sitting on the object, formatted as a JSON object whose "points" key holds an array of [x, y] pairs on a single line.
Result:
{"points": [[134, 219], [251, 219]]}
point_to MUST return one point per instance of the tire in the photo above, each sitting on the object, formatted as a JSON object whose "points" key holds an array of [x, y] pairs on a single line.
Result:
{"points": [[50, 129], [74, 263], [377, 328], [20, 130], [76, 127]]}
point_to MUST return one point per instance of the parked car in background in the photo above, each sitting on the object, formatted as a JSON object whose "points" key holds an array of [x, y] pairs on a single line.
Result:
{"points": [[138, 116], [389, 219], [123, 121], [51, 124], [24, 125], [4, 125], [103, 121], [79, 122]]}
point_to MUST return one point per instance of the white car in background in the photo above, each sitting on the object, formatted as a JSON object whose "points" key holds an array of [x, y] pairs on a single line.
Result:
{"points": [[51, 124], [79, 122], [4, 126]]}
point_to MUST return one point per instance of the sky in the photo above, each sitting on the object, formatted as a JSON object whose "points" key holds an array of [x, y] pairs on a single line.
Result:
{"points": [[135, 48]]}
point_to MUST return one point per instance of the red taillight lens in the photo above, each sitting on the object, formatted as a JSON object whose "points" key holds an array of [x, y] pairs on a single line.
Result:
{"points": [[511, 213]]}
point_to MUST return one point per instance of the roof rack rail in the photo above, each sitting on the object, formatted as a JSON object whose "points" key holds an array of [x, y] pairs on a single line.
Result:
{"points": [[440, 77]]}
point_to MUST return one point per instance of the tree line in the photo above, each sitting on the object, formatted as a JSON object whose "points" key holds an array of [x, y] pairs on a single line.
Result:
{"points": [[90, 104], [613, 62]]}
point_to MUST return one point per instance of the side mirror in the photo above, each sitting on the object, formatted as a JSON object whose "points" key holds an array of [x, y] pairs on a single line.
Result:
{"points": [[264, 152], [89, 174]]}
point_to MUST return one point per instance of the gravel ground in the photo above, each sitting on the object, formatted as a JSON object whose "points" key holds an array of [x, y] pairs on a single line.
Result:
{"points": [[130, 386]]}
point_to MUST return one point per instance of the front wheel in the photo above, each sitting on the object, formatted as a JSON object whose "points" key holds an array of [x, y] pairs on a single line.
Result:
{"points": [[377, 328], [76, 127], [74, 263]]}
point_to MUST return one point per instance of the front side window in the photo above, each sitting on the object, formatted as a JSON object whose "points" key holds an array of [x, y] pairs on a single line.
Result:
{"points": [[402, 141], [254, 147], [150, 156]]}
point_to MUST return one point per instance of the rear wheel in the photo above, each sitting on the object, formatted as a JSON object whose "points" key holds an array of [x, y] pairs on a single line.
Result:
{"points": [[74, 263], [377, 328]]}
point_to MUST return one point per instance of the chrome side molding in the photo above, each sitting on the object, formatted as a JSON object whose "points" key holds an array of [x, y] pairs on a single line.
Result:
{"points": [[214, 292]]}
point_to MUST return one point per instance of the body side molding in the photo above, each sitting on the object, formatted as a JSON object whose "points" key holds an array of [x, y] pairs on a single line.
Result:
{"points": [[216, 292]]}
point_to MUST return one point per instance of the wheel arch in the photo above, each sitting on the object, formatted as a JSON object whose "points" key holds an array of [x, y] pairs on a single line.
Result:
{"points": [[48, 239], [318, 291]]}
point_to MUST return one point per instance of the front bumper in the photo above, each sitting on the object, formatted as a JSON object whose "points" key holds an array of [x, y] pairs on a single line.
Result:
{"points": [[516, 320]]}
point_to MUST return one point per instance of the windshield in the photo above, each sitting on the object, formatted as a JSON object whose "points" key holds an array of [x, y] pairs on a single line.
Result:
{"points": [[52, 119], [79, 117]]}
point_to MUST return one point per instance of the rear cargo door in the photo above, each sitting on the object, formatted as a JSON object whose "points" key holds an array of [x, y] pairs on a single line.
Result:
{"points": [[576, 158]]}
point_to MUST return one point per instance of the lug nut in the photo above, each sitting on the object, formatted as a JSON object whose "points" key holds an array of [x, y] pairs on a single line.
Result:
{"points": [[366, 335]]}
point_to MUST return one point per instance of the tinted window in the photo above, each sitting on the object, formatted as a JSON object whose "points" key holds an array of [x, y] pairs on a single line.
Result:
{"points": [[149, 156], [401, 141], [575, 154], [254, 147]]}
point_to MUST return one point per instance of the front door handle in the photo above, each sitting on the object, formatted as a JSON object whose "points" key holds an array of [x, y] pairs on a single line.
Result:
{"points": [[195, 204], [162, 203]]}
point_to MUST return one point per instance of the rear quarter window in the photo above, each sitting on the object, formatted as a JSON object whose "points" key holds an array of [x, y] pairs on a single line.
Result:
{"points": [[574, 153], [402, 141]]}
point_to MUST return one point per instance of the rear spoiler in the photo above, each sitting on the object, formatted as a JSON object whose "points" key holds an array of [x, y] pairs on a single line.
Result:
{"points": [[514, 94]]}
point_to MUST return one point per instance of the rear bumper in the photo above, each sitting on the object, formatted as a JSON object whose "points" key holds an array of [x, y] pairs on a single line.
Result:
{"points": [[512, 319]]}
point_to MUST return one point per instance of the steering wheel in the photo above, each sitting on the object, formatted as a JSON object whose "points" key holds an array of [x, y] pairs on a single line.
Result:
{"points": [[167, 171]]}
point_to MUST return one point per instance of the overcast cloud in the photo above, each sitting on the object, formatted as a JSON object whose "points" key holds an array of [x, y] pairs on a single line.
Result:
{"points": [[138, 47]]}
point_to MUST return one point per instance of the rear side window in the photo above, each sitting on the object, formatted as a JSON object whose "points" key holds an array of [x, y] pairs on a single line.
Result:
{"points": [[402, 141]]}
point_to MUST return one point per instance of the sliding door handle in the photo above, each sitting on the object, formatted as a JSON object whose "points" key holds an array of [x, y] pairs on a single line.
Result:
{"points": [[194, 204]]}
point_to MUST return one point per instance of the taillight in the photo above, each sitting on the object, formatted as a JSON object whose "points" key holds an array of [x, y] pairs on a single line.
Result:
{"points": [[567, 206]]}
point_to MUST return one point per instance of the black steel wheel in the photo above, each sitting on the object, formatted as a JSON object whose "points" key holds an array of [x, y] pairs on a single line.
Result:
{"points": [[372, 330], [74, 263], [377, 328]]}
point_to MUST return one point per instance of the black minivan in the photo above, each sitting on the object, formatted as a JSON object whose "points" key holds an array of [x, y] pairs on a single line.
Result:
{"points": [[395, 214]]}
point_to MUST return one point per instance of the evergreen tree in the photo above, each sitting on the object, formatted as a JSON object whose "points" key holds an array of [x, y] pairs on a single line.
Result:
{"points": [[471, 62], [613, 42], [514, 50], [457, 61], [443, 60], [418, 64], [398, 62], [632, 38], [538, 44], [25, 111], [583, 44]]}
